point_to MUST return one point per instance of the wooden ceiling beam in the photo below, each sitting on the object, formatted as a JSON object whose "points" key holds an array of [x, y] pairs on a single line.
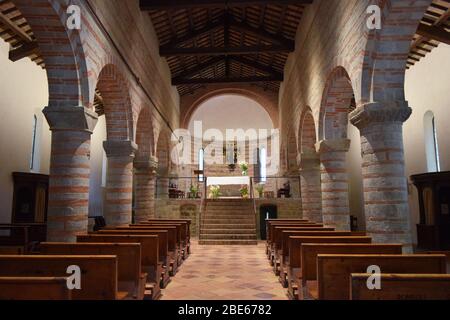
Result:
{"points": [[209, 27], [198, 69], [166, 52], [263, 34], [201, 81], [256, 65], [147, 5], [434, 32], [25, 50]]}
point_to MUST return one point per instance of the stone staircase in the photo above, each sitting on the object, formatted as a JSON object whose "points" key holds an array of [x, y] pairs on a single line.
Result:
{"points": [[228, 222]]}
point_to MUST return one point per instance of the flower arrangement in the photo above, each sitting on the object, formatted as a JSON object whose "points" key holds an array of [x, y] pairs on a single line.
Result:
{"points": [[214, 192], [244, 191], [244, 168], [260, 189]]}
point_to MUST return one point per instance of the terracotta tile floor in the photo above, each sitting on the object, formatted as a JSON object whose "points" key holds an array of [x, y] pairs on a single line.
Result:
{"points": [[225, 273]]}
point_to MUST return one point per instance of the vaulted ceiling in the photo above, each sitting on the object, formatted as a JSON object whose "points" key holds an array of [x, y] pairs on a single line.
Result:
{"points": [[234, 41]]}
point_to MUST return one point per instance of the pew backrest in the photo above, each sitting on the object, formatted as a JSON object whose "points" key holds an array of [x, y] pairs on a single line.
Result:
{"points": [[401, 287], [271, 229], [149, 245], [310, 251], [128, 255], [295, 244], [99, 279], [34, 288], [333, 271]]}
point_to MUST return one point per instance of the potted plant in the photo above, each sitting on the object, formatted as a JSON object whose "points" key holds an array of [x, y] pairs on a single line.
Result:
{"points": [[244, 168], [244, 191], [260, 189], [214, 192], [193, 192]]}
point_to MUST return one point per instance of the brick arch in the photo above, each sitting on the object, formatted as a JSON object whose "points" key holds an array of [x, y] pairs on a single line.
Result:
{"points": [[291, 151], [189, 104], [114, 91], [61, 50], [387, 53], [144, 135], [307, 136], [163, 151], [335, 106]]}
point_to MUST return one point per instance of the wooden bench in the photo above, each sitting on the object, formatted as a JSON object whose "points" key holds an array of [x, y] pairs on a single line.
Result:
{"points": [[99, 279], [402, 287], [174, 243], [34, 288], [149, 254], [282, 253], [163, 249], [130, 277], [184, 232], [188, 224], [446, 253], [310, 251], [333, 271], [293, 264]]}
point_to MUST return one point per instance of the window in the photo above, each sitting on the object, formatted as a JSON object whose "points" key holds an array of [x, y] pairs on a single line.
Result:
{"points": [[33, 144], [263, 164], [201, 164], [431, 143]]}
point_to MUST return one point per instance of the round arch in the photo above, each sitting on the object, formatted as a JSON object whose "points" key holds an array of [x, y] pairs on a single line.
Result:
{"points": [[144, 136], [191, 104], [307, 137]]}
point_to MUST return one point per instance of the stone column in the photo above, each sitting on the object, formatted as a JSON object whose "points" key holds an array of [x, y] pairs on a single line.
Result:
{"points": [[145, 183], [310, 185], [68, 202], [119, 182], [385, 185], [334, 182]]}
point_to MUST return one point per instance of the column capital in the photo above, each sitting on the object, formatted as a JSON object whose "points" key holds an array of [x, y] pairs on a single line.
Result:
{"points": [[120, 148], [379, 112], [309, 160], [148, 165], [338, 145], [76, 118]]}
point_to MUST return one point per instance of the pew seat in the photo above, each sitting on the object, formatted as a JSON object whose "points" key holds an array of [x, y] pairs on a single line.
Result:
{"points": [[34, 288], [402, 287]]}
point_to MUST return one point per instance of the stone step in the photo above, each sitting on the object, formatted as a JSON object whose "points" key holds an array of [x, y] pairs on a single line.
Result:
{"points": [[228, 237], [228, 242], [229, 221], [228, 226], [228, 216], [228, 231]]}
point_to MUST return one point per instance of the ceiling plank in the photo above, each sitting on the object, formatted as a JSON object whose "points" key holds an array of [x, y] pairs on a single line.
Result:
{"points": [[434, 32], [147, 5], [15, 28], [199, 68], [256, 65], [180, 82], [165, 52]]}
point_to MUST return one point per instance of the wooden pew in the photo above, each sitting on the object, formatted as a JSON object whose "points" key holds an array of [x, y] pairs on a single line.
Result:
{"points": [[310, 251], [333, 271], [282, 253], [98, 278], [34, 288], [163, 249], [130, 277], [446, 253], [188, 222], [271, 234], [174, 243], [402, 287], [181, 236], [149, 254], [293, 264]]}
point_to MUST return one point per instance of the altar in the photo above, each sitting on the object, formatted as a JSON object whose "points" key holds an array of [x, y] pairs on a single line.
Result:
{"points": [[229, 186]]}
